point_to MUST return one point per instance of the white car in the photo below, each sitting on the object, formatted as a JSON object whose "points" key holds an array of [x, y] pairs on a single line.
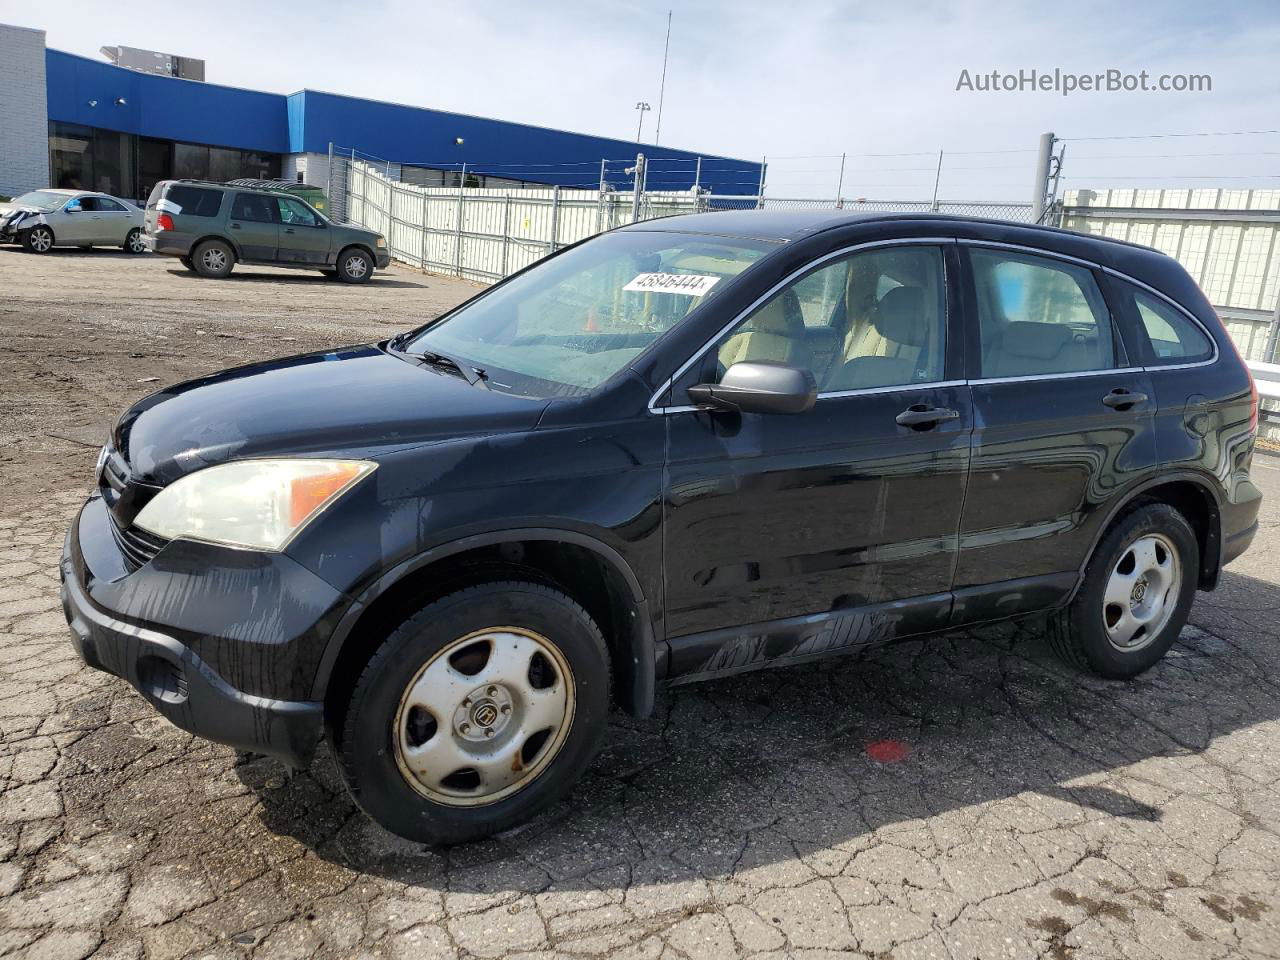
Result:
{"points": [[44, 219]]}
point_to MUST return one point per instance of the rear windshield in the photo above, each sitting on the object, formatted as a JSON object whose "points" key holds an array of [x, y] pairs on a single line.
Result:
{"points": [[192, 201]]}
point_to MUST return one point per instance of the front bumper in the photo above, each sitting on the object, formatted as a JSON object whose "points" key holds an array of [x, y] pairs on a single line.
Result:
{"points": [[155, 632], [383, 259]]}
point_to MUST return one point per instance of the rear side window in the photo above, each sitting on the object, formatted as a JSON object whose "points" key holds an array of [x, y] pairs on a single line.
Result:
{"points": [[107, 205], [194, 201], [1038, 316], [1173, 337], [254, 208]]}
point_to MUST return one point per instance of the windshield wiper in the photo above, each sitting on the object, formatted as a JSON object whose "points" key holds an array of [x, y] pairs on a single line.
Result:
{"points": [[473, 375]]}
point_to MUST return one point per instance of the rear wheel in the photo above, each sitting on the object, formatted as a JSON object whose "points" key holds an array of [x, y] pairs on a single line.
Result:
{"points": [[213, 258], [354, 265], [1136, 595], [38, 240], [478, 711], [133, 242]]}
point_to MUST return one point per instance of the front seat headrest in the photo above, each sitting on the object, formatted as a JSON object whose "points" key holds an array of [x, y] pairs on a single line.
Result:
{"points": [[900, 317]]}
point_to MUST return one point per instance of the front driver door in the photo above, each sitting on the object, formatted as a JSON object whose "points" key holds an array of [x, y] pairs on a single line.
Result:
{"points": [[794, 536], [304, 237]]}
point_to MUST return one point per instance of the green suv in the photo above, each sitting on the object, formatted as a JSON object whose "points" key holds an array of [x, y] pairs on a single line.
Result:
{"points": [[213, 226]]}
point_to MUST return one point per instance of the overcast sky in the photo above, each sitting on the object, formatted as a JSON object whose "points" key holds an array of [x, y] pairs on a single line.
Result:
{"points": [[782, 80]]}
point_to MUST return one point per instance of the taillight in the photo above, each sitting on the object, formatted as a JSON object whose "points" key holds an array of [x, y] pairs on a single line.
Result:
{"points": [[164, 222]]}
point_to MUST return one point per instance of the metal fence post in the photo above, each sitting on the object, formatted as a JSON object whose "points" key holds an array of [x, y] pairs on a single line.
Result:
{"points": [[555, 217], [760, 191], [506, 233], [457, 239], [697, 175], [328, 175], [1041, 187], [423, 231], [636, 187]]}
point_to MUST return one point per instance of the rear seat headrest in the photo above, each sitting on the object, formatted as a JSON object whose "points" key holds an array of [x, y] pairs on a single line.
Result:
{"points": [[1036, 341]]}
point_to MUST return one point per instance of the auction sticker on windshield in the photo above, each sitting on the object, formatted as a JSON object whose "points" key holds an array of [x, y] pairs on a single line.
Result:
{"points": [[688, 284]]}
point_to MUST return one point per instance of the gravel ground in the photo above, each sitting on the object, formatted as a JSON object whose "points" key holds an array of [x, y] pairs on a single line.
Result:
{"points": [[964, 797]]}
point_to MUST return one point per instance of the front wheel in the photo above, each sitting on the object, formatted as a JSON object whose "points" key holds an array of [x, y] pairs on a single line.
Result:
{"points": [[133, 243], [1136, 595], [477, 712], [354, 266], [38, 240]]}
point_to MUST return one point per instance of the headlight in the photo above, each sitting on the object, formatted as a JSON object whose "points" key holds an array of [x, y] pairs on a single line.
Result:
{"points": [[382, 241], [250, 503]]}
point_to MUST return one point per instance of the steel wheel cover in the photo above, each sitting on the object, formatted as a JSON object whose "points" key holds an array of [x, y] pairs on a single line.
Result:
{"points": [[484, 716], [1142, 592]]}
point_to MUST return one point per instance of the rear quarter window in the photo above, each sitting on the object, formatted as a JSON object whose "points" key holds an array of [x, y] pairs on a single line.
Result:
{"points": [[195, 201], [1172, 337]]}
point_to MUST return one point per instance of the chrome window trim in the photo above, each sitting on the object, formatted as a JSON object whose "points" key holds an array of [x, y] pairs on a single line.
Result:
{"points": [[789, 278], [963, 241]]}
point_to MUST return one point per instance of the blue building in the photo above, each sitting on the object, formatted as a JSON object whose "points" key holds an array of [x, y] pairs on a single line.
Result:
{"points": [[118, 130]]}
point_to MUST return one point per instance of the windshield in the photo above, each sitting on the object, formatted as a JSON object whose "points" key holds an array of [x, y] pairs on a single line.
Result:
{"points": [[568, 325], [42, 200]]}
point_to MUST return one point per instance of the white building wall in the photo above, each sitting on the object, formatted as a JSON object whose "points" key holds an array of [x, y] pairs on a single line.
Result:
{"points": [[24, 111], [313, 166]]}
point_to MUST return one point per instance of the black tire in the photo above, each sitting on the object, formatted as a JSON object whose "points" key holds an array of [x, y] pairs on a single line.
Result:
{"points": [[354, 266], [213, 258], [187, 262], [133, 241], [39, 239], [1078, 633], [365, 735]]}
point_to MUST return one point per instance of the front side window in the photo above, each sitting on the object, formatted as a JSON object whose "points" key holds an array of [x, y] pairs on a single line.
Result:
{"points": [[1173, 337], [870, 320], [1039, 316], [569, 324], [295, 213]]}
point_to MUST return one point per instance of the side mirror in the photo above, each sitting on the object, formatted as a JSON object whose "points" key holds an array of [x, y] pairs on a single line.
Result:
{"points": [[759, 387], [72, 208]]}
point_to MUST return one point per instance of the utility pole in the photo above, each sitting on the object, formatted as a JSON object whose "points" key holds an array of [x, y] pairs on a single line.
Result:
{"points": [[936, 179], [638, 171], [840, 183], [662, 86], [1040, 190]]}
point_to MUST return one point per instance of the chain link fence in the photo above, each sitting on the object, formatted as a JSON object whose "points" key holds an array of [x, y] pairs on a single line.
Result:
{"points": [[485, 234]]}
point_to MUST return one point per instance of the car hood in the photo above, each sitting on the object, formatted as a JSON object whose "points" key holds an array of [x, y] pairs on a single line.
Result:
{"points": [[353, 402], [8, 208]]}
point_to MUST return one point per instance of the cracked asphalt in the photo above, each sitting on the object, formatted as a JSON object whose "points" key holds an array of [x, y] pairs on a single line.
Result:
{"points": [[961, 797]]}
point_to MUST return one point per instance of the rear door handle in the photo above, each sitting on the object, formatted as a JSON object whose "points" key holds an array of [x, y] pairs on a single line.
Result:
{"points": [[920, 416], [289, 230], [1122, 399], [235, 226]]}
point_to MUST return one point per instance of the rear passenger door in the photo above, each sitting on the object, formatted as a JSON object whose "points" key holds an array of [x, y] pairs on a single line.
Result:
{"points": [[115, 223], [254, 227], [1062, 423]]}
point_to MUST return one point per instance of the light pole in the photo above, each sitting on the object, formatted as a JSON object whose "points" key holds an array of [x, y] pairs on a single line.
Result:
{"points": [[642, 107]]}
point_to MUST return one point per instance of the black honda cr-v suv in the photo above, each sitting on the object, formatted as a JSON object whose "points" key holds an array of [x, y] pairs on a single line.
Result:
{"points": [[679, 450]]}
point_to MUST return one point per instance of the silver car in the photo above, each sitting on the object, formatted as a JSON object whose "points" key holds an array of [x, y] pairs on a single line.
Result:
{"points": [[44, 219]]}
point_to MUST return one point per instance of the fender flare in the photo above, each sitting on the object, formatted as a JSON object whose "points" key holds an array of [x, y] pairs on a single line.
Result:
{"points": [[359, 246], [1213, 535], [643, 645]]}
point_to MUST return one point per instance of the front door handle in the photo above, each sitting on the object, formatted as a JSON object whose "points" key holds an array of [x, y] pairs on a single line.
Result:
{"points": [[1122, 399], [235, 226], [289, 230], [921, 417]]}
